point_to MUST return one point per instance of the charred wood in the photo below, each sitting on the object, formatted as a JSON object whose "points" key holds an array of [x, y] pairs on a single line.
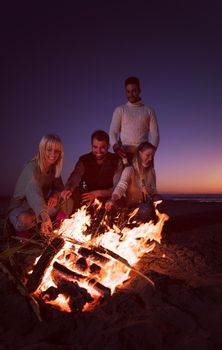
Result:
{"points": [[104, 291], [97, 226], [78, 296], [81, 263], [94, 269], [39, 269], [50, 294], [89, 253], [70, 256], [67, 272]]}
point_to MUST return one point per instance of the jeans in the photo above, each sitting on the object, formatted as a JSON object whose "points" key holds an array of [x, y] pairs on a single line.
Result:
{"points": [[24, 208]]}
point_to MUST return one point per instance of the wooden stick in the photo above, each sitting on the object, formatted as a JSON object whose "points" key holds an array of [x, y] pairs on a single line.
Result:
{"points": [[37, 274], [119, 258], [29, 240]]}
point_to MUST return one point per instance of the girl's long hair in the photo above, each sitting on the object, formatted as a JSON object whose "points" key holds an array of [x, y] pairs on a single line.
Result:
{"points": [[46, 140], [136, 162]]}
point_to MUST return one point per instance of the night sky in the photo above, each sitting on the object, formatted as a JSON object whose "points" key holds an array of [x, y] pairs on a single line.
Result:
{"points": [[63, 67]]}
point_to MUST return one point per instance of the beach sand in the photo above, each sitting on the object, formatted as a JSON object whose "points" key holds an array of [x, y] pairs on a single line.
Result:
{"points": [[183, 311]]}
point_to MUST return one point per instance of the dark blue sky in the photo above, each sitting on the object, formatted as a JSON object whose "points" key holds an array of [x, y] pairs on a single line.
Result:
{"points": [[63, 68]]}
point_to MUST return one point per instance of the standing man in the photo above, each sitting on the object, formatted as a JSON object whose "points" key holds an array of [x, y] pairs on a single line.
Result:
{"points": [[132, 123], [95, 173]]}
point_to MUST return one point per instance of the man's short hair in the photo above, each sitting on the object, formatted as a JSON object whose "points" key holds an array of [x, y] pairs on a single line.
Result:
{"points": [[132, 80], [100, 135]]}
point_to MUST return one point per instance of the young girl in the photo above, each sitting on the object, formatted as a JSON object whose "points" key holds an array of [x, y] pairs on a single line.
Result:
{"points": [[37, 191], [138, 184]]}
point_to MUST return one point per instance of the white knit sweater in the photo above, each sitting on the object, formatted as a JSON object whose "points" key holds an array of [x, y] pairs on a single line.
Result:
{"points": [[132, 124]]}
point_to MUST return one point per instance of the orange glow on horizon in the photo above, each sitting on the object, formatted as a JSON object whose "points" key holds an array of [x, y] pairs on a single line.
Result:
{"points": [[195, 179]]}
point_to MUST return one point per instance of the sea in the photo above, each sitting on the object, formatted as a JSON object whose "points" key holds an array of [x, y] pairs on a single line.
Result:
{"points": [[207, 198]]}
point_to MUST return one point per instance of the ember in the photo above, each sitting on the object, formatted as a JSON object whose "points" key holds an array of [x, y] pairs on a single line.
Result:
{"points": [[78, 269]]}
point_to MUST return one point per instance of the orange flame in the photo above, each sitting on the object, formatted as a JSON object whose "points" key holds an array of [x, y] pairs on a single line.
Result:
{"points": [[130, 245]]}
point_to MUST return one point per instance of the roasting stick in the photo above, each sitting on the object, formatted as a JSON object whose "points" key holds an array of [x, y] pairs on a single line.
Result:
{"points": [[102, 250]]}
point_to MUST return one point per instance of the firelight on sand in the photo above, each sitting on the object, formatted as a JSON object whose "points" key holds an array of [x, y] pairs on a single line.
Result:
{"points": [[118, 252]]}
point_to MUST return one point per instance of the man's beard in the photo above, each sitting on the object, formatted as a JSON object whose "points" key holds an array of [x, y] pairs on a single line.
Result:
{"points": [[100, 157]]}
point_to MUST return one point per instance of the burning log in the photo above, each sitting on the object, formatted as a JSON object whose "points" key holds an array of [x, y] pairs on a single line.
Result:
{"points": [[94, 269], [50, 294], [78, 296], [39, 269], [81, 264], [89, 253], [96, 228], [67, 272], [70, 256], [104, 291]]}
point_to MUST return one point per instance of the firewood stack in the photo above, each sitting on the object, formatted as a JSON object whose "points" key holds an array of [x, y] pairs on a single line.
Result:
{"points": [[86, 267]]}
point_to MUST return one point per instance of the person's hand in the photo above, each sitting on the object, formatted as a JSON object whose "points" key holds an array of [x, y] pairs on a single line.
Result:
{"points": [[66, 194], [109, 204], [52, 201], [46, 225], [89, 197], [120, 151]]}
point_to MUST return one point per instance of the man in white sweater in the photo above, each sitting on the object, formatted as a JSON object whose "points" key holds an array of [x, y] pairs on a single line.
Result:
{"points": [[132, 123]]}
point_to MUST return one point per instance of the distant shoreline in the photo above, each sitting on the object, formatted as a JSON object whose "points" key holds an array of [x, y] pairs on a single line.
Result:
{"points": [[208, 198], [194, 197], [171, 204]]}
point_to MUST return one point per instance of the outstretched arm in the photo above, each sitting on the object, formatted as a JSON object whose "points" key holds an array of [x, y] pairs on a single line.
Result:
{"points": [[121, 187], [73, 180], [89, 197]]}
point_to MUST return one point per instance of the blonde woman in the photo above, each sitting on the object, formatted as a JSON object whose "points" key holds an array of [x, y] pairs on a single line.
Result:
{"points": [[37, 191], [138, 184]]}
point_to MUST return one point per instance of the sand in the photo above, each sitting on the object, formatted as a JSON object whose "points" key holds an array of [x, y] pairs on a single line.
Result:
{"points": [[183, 311]]}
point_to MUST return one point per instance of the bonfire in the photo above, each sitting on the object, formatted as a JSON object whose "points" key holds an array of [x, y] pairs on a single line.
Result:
{"points": [[83, 264]]}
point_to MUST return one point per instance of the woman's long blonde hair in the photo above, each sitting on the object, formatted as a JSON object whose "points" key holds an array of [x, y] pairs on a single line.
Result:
{"points": [[136, 162], [50, 139]]}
